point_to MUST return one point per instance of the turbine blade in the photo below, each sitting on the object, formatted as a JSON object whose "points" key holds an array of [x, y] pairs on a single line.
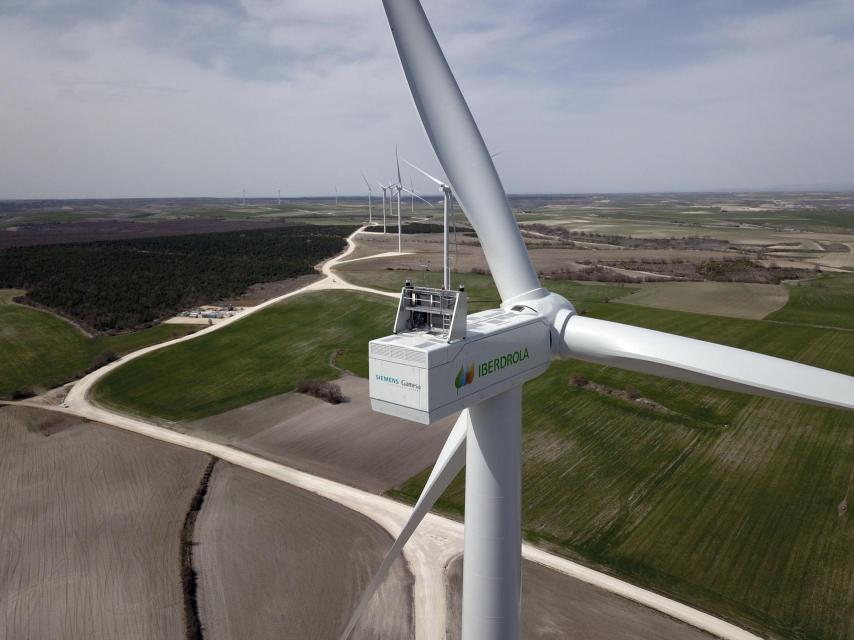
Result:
{"points": [[368, 184], [397, 160], [436, 180], [714, 365], [409, 191], [450, 462], [459, 146]]}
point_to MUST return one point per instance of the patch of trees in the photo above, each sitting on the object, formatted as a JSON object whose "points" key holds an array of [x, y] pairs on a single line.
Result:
{"points": [[119, 285]]}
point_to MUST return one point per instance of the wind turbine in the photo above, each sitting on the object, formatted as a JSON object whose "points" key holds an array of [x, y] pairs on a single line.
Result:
{"points": [[487, 435], [446, 191], [370, 205], [279, 197], [398, 187], [384, 188]]}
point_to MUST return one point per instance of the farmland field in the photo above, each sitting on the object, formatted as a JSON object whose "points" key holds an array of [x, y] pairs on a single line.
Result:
{"points": [[279, 563], [828, 301], [722, 500], [40, 351], [89, 547], [732, 299]]}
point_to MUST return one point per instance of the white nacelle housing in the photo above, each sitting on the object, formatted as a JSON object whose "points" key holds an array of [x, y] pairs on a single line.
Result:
{"points": [[422, 377]]}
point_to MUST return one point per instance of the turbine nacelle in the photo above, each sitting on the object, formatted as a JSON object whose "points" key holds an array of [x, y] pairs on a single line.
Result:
{"points": [[440, 361]]}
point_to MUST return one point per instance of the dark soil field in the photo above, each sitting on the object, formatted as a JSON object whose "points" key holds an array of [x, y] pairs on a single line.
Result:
{"points": [[91, 522], [275, 562], [346, 442]]}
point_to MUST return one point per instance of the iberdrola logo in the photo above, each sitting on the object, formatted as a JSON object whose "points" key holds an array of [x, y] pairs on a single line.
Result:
{"points": [[464, 377]]}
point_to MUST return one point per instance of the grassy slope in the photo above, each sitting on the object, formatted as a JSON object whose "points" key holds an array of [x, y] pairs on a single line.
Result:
{"points": [[39, 350], [263, 355], [728, 503]]}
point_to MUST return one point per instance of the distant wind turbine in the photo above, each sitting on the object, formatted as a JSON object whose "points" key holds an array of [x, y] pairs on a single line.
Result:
{"points": [[384, 188], [370, 205], [399, 188]]}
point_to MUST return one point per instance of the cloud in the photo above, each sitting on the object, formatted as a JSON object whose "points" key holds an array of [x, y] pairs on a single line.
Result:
{"points": [[147, 97]]}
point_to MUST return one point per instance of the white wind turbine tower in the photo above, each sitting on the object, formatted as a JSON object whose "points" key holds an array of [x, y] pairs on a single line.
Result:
{"points": [[398, 187], [511, 346], [279, 197], [385, 188], [446, 192], [370, 204]]}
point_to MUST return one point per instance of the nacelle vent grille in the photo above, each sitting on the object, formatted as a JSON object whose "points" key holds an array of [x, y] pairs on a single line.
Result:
{"points": [[395, 352]]}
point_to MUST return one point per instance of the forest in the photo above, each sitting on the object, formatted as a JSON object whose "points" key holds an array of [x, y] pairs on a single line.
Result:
{"points": [[119, 285]]}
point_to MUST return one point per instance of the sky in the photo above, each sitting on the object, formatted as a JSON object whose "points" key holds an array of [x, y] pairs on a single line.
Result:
{"points": [[149, 98]]}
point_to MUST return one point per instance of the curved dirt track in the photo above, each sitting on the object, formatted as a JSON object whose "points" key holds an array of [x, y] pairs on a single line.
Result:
{"points": [[437, 541]]}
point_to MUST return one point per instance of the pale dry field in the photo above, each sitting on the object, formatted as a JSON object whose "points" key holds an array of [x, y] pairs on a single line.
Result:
{"points": [[555, 606], [276, 562], [468, 255], [348, 442], [91, 520], [731, 299]]}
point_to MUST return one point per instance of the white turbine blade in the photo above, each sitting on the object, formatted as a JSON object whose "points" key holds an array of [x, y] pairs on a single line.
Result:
{"points": [[714, 365], [397, 160], [427, 175], [382, 186], [459, 146], [450, 462], [368, 184], [411, 192]]}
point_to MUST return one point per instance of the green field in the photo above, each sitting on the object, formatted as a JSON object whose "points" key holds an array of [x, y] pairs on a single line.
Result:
{"points": [[721, 500], [40, 351], [263, 355], [826, 301]]}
